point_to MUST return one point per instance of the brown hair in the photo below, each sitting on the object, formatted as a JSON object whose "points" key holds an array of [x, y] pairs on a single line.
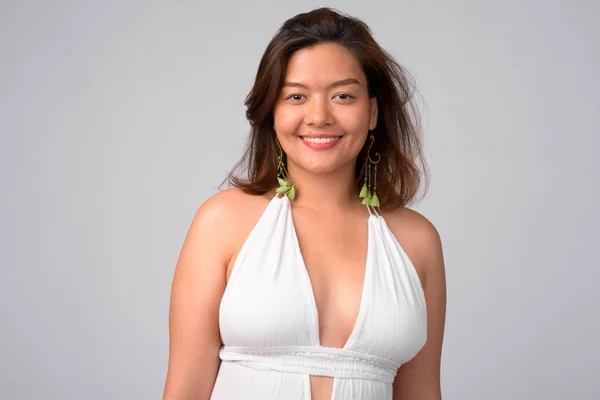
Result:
{"points": [[397, 135]]}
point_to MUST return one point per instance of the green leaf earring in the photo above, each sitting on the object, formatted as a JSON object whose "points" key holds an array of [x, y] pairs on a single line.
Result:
{"points": [[286, 186], [370, 178]]}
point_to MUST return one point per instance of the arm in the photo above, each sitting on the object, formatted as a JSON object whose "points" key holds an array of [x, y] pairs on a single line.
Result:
{"points": [[198, 285], [419, 378]]}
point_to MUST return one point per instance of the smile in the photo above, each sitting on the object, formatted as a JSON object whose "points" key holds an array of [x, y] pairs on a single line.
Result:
{"points": [[321, 140], [320, 143]]}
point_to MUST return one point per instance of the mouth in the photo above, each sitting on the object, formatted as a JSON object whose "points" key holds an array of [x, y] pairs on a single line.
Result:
{"points": [[329, 139]]}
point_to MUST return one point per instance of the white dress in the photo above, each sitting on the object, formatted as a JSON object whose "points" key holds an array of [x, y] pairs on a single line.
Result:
{"points": [[270, 326]]}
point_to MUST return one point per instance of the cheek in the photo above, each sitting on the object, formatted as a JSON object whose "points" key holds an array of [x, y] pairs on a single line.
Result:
{"points": [[354, 120], [286, 118]]}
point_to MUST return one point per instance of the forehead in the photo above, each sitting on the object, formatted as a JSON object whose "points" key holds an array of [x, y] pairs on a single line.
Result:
{"points": [[323, 64]]}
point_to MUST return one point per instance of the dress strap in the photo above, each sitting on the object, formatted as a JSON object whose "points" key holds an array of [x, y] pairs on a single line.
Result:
{"points": [[374, 212]]}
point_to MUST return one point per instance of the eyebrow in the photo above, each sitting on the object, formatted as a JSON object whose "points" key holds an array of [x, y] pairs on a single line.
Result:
{"points": [[343, 82]]}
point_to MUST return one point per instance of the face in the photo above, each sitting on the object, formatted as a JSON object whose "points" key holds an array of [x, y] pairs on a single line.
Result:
{"points": [[324, 112]]}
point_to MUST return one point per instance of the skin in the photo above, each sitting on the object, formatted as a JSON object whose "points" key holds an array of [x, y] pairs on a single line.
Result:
{"points": [[331, 230]]}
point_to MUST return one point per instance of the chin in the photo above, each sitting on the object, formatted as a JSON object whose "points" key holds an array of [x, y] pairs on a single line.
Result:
{"points": [[321, 170], [321, 167]]}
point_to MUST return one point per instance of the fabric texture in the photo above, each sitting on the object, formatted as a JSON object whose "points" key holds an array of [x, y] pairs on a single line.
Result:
{"points": [[270, 325]]}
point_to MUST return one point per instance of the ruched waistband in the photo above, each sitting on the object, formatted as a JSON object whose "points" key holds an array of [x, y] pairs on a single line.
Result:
{"points": [[313, 360]]}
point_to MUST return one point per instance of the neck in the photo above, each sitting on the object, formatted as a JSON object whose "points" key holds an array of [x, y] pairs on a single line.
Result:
{"points": [[333, 191]]}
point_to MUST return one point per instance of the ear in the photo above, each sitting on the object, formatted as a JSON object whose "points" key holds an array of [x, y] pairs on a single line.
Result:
{"points": [[374, 113]]}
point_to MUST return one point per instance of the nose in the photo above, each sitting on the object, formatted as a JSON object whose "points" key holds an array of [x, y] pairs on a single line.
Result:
{"points": [[318, 113]]}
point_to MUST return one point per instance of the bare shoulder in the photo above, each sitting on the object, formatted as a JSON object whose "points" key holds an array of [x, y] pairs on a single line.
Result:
{"points": [[227, 206], [418, 237], [229, 214]]}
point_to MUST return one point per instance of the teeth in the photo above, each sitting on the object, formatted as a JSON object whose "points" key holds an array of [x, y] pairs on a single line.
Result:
{"points": [[320, 140]]}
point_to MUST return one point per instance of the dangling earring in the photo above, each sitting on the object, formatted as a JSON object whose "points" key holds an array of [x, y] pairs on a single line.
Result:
{"points": [[370, 199], [286, 186]]}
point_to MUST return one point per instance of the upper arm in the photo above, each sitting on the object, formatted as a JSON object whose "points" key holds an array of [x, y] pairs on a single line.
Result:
{"points": [[419, 378], [198, 285]]}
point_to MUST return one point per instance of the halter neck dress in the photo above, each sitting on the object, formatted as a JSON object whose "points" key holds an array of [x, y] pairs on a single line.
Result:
{"points": [[270, 326]]}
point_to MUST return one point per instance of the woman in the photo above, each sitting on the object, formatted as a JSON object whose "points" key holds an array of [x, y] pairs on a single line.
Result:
{"points": [[293, 284]]}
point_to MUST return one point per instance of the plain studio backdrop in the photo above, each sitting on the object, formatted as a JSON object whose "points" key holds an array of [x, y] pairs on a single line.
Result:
{"points": [[119, 118]]}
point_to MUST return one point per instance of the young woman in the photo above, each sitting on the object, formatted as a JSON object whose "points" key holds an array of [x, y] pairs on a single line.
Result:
{"points": [[293, 284]]}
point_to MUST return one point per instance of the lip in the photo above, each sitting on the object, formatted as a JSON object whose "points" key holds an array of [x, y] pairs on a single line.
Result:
{"points": [[319, 135], [320, 146]]}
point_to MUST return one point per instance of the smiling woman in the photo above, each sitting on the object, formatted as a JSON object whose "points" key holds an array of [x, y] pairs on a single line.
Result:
{"points": [[355, 72], [294, 284], [317, 110]]}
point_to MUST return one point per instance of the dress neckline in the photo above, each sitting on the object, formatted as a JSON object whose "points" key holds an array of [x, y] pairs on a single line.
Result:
{"points": [[308, 282]]}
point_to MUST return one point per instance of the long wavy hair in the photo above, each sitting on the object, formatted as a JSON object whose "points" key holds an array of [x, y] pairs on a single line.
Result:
{"points": [[402, 168]]}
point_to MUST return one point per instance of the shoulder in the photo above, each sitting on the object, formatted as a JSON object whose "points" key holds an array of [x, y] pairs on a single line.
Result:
{"points": [[228, 209], [226, 205], [227, 214], [419, 238]]}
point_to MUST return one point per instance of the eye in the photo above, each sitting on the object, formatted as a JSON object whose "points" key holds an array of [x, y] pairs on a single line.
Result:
{"points": [[344, 96], [295, 97]]}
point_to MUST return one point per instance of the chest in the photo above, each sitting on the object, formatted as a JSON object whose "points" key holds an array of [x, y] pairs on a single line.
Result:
{"points": [[305, 281], [334, 254]]}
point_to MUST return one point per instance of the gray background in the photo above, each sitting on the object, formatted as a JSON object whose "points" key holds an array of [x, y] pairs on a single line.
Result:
{"points": [[119, 118]]}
